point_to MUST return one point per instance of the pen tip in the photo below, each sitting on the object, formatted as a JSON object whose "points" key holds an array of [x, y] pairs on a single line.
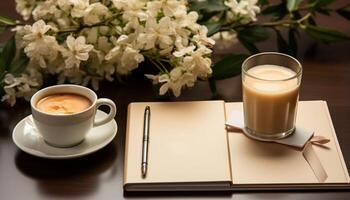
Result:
{"points": [[144, 171]]}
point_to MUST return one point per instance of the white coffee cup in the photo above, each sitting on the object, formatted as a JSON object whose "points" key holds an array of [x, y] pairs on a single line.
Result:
{"points": [[69, 130]]}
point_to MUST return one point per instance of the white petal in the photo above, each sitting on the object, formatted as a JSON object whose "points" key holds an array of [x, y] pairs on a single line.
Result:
{"points": [[164, 88]]}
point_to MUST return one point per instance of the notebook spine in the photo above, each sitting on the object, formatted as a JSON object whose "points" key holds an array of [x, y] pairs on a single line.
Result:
{"points": [[125, 178]]}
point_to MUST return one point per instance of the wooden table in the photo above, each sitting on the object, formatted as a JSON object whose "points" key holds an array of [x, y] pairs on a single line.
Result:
{"points": [[99, 175]]}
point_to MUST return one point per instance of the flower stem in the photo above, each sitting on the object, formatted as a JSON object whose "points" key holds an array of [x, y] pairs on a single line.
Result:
{"points": [[156, 64], [12, 25], [273, 24], [79, 28], [161, 64]]}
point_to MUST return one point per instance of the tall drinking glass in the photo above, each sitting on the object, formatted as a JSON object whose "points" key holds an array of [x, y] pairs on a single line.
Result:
{"points": [[270, 94]]}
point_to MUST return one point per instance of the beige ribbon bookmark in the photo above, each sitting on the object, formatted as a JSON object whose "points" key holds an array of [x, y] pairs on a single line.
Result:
{"points": [[302, 140], [314, 162]]}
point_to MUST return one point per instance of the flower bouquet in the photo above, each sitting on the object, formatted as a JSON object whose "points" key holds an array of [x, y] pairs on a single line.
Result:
{"points": [[87, 41]]}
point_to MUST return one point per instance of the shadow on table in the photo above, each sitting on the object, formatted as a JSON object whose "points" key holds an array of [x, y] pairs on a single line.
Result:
{"points": [[10, 116], [254, 194], [178, 194], [69, 178]]}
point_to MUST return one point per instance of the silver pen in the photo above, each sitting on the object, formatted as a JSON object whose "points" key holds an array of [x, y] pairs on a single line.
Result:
{"points": [[145, 141]]}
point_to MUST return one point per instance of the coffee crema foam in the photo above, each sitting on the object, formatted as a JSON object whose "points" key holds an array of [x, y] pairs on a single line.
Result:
{"points": [[63, 104]]}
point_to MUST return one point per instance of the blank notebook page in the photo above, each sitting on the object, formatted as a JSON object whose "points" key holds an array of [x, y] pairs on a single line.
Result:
{"points": [[255, 162], [188, 143]]}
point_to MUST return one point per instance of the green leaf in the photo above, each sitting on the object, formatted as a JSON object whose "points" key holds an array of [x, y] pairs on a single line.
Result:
{"points": [[253, 34], [62, 37], [2, 45], [2, 29], [288, 47], [19, 64], [263, 2], [212, 86], [326, 35], [312, 21], [213, 28], [293, 43], [282, 45], [7, 21], [320, 3], [7, 54], [207, 6], [207, 9], [296, 15], [344, 12], [278, 11], [228, 67], [204, 17], [293, 5], [324, 11], [250, 35], [248, 45]]}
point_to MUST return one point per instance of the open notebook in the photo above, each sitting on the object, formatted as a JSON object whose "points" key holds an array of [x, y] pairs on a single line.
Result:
{"points": [[190, 149]]}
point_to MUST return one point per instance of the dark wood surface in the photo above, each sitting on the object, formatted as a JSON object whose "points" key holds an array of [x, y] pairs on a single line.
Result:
{"points": [[99, 175]]}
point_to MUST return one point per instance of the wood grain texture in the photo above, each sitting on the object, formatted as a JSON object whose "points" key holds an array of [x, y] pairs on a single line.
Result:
{"points": [[99, 176]]}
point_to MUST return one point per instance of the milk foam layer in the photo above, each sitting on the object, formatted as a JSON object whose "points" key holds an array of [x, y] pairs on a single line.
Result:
{"points": [[275, 79]]}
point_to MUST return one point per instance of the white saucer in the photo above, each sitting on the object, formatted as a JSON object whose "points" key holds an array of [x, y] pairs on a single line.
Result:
{"points": [[26, 137]]}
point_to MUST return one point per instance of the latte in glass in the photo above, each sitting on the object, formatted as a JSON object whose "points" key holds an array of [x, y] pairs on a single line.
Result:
{"points": [[271, 83]]}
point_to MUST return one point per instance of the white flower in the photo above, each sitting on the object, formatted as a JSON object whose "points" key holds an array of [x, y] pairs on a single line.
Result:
{"points": [[133, 11], [202, 39], [79, 7], [77, 51], [23, 86], [157, 33], [198, 64], [64, 4], [184, 19], [124, 55], [184, 50], [25, 8], [104, 44], [10, 96], [11, 81], [37, 31], [94, 81], [64, 21], [43, 9], [108, 69], [128, 31], [100, 67], [72, 75], [154, 78], [39, 47], [245, 10], [116, 51], [91, 35], [169, 7], [224, 40], [95, 13], [129, 60], [177, 79]]}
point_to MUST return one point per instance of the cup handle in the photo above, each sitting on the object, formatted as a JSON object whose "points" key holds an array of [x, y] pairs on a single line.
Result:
{"points": [[111, 114]]}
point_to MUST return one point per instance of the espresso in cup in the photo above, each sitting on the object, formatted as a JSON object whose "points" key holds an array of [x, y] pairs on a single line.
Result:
{"points": [[64, 114], [63, 104]]}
